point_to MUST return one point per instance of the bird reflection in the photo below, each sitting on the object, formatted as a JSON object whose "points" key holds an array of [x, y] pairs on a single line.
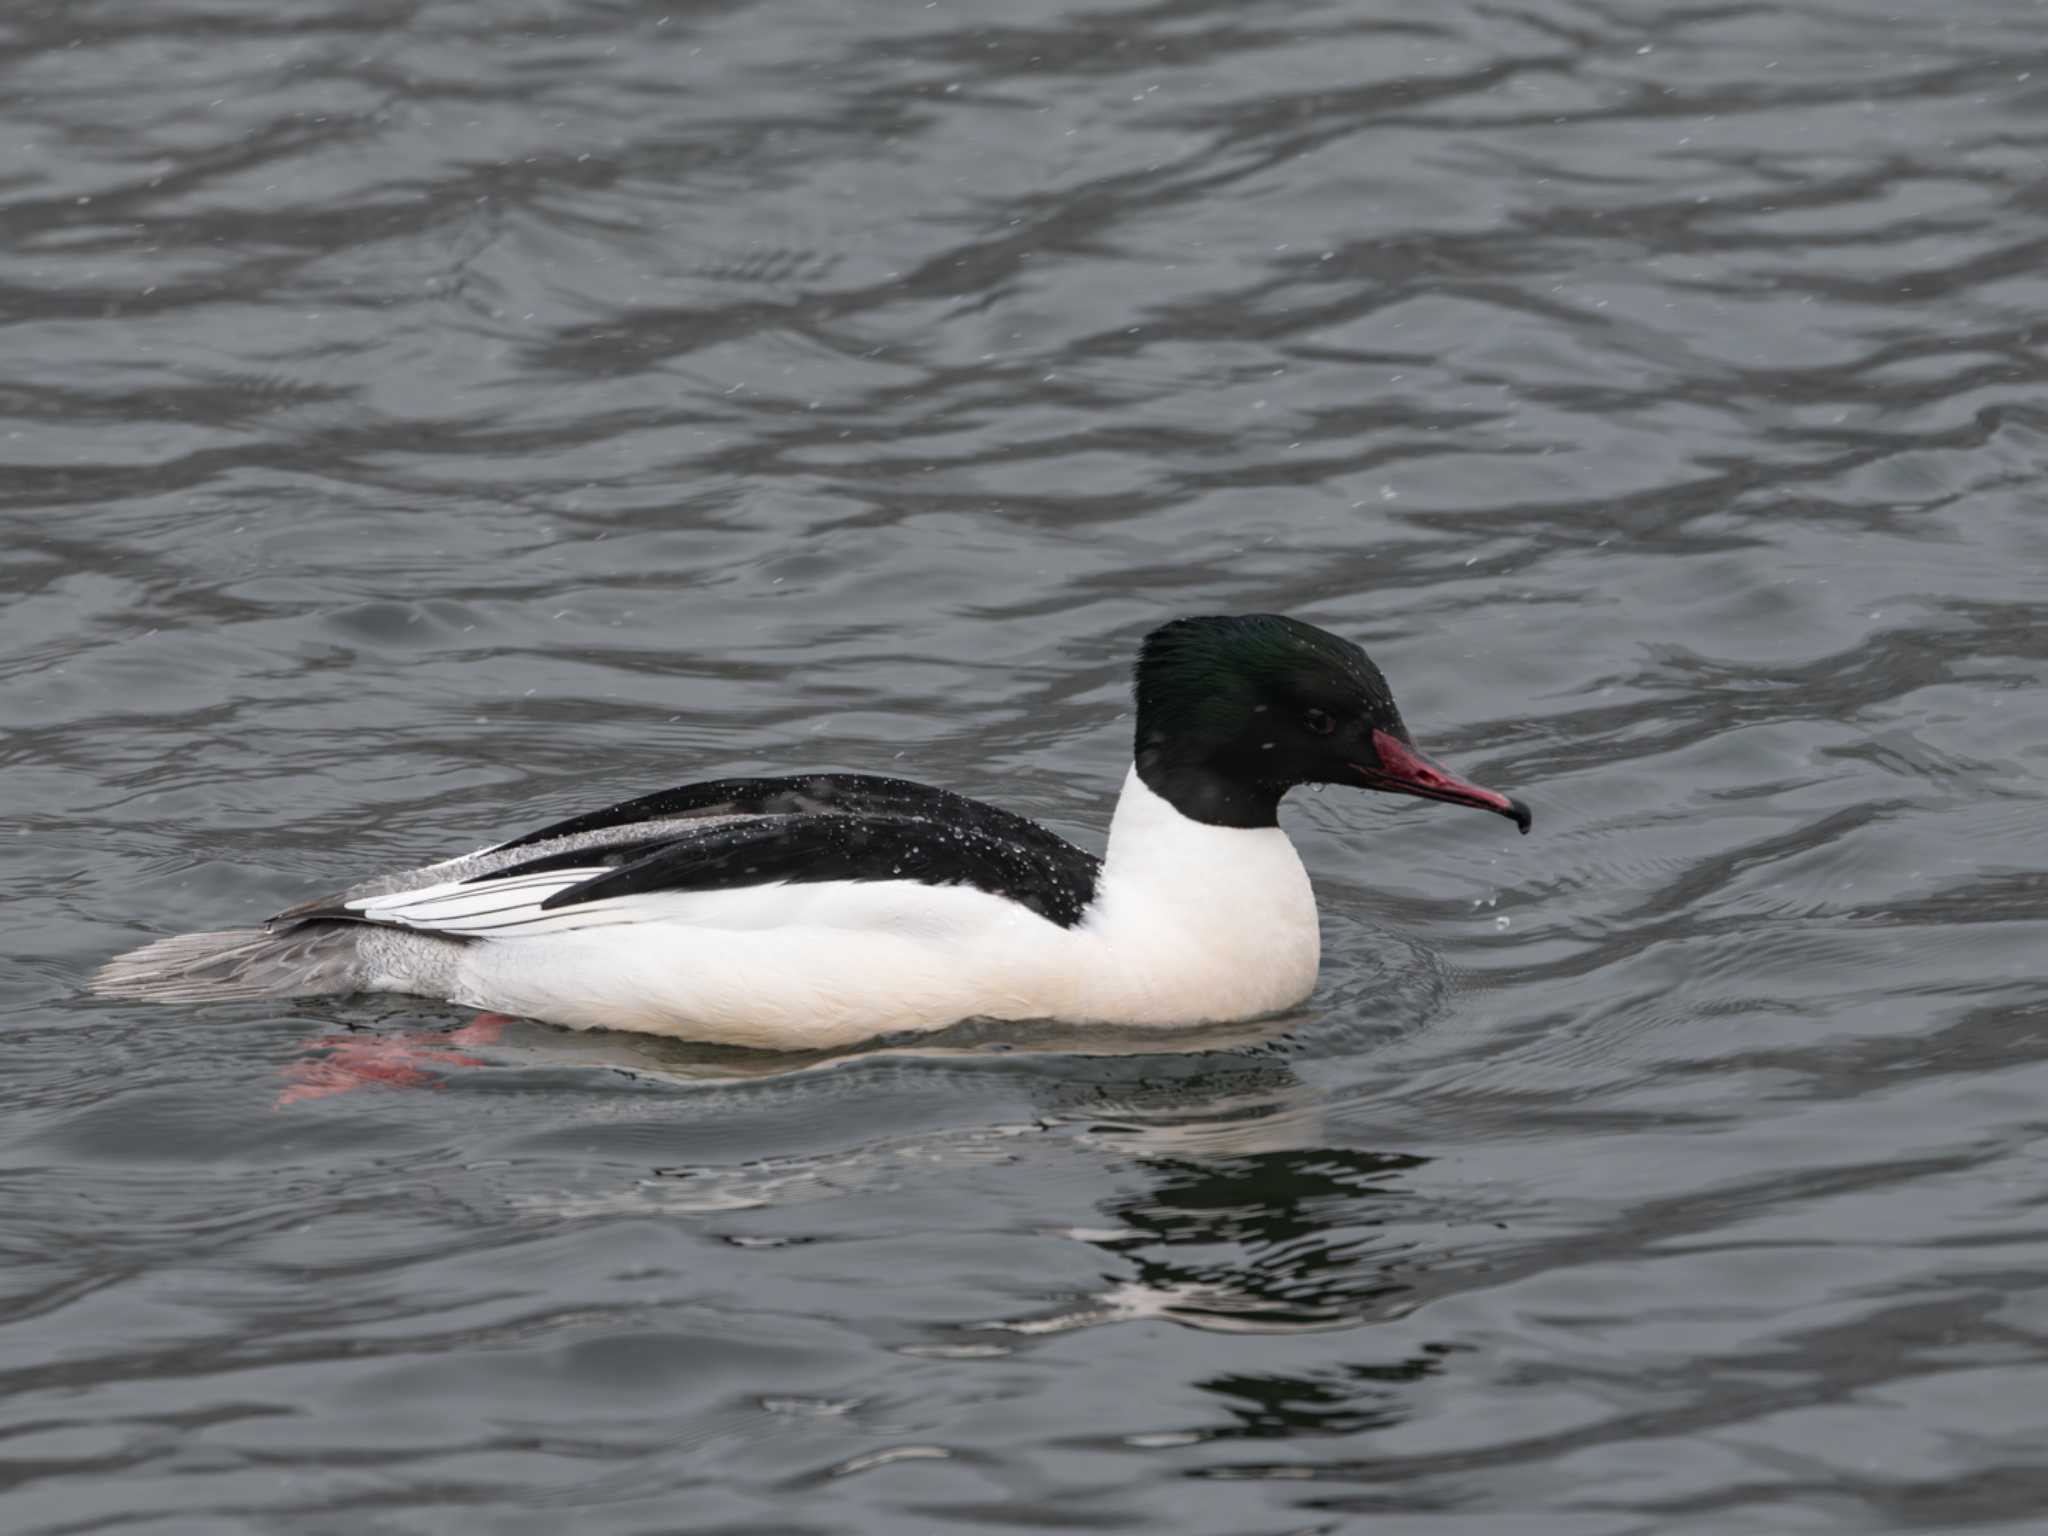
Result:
{"points": [[1240, 1207], [1275, 1241]]}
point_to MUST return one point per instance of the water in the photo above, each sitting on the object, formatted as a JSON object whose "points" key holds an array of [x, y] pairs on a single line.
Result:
{"points": [[425, 420]]}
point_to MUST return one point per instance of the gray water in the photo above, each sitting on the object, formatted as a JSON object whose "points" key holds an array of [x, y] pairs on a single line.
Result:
{"points": [[423, 420]]}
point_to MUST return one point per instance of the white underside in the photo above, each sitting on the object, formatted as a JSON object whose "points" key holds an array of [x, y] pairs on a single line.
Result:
{"points": [[1191, 924]]}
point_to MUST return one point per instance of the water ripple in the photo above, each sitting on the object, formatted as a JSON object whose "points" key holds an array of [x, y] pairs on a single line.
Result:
{"points": [[426, 419]]}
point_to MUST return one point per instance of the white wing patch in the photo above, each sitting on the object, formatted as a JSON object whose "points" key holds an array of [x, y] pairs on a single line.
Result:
{"points": [[509, 910], [510, 906]]}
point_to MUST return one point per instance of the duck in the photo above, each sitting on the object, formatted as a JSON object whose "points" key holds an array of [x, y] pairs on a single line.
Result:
{"points": [[824, 909]]}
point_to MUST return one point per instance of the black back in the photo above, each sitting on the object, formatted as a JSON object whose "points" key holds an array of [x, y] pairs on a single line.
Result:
{"points": [[812, 828], [807, 849]]}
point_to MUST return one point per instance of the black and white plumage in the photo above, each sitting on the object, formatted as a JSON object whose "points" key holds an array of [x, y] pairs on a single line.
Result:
{"points": [[733, 833], [826, 908]]}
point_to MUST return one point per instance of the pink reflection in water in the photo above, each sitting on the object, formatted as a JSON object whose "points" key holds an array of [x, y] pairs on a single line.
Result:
{"points": [[348, 1062]]}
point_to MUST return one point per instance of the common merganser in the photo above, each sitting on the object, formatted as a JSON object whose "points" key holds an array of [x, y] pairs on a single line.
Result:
{"points": [[820, 910]]}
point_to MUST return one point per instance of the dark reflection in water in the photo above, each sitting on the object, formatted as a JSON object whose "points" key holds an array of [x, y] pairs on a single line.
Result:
{"points": [[422, 420]]}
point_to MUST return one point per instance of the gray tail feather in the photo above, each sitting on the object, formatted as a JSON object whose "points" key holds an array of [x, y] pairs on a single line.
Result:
{"points": [[241, 964]]}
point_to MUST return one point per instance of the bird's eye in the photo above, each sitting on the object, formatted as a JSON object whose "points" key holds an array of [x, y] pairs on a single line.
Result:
{"points": [[1319, 721]]}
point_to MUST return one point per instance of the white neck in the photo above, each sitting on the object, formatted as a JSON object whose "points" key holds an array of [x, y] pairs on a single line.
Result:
{"points": [[1201, 922]]}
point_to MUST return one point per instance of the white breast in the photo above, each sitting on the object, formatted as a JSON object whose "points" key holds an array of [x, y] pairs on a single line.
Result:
{"points": [[1196, 923]]}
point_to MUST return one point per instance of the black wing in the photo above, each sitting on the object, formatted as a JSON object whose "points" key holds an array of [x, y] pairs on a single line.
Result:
{"points": [[854, 794], [813, 828], [1054, 878], [752, 831]]}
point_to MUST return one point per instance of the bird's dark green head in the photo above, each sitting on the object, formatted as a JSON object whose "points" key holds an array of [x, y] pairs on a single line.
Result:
{"points": [[1234, 711]]}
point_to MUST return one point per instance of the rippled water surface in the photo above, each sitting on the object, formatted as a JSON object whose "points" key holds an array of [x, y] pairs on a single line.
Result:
{"points": [[425, 419]]}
